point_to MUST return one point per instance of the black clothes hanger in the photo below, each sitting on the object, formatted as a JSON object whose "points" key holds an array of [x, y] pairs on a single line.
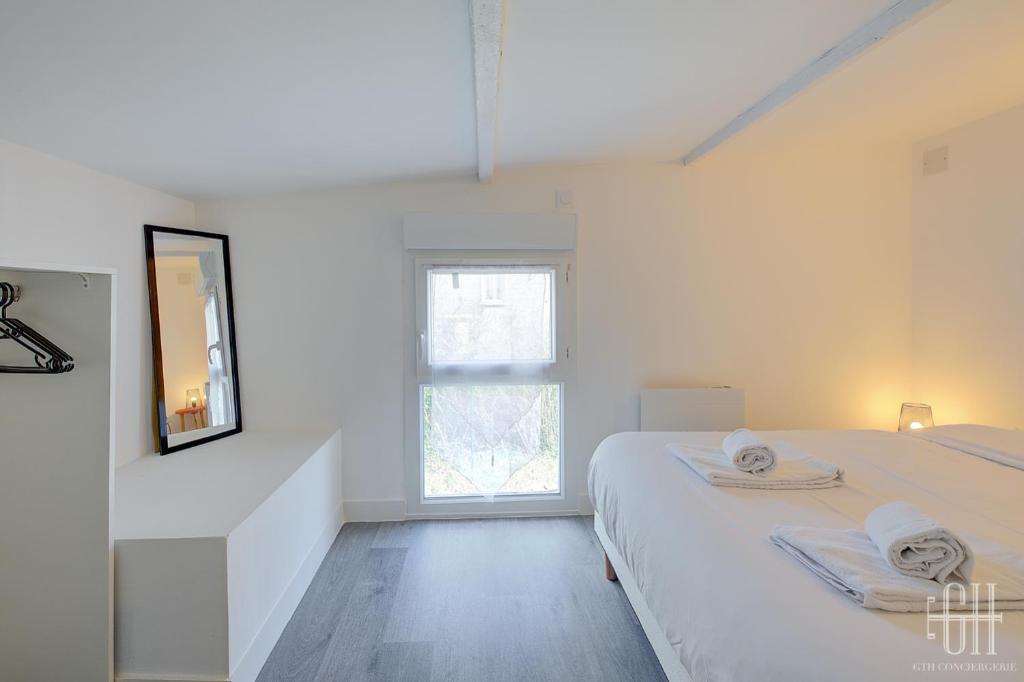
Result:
{"points": [[49, 358]]}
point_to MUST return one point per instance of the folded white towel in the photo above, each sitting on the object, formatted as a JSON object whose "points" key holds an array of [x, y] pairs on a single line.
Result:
{"points": [[917, 546], [849, 561], [748, 453], [794, 470]]}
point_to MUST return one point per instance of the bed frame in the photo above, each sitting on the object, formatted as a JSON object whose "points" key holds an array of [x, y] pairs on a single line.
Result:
{"points": [[616, 569]]}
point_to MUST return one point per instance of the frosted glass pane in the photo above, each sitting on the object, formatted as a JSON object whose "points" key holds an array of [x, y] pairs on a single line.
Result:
{"points": [[490, 316], [485, 440]]}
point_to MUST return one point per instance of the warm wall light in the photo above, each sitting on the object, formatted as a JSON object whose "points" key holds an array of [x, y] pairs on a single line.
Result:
{"points": [[915, 416]]}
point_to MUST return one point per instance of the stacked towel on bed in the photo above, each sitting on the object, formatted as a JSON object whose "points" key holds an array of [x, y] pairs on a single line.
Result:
{"points": [[793, 469], [885, 568], [748, 453], [917, 546]]}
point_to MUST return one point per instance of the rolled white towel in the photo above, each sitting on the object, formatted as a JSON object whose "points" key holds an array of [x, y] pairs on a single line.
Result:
{"points": [[849, 561], [917, 546], [794, 470], [748, 453]]}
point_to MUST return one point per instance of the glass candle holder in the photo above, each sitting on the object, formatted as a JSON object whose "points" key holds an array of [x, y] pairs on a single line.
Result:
{"points": [[915, 416]]}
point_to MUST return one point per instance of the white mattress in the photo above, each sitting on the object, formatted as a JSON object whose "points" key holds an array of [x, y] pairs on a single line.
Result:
{"points": [[735, 607]]}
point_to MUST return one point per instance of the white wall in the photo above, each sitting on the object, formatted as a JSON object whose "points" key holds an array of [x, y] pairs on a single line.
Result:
{"points": [[54, 211], [968, 279], [781, 269], [55, 468]]}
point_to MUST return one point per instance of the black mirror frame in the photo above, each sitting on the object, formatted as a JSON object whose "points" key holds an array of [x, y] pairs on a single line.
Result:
{"points": [[154, 317]]}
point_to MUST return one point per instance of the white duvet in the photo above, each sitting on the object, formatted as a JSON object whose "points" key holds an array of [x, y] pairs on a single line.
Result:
{"points": [[736, 607], [999, 445]]}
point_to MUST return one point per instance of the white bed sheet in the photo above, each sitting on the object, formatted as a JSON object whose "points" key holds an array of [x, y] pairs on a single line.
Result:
{"points": [[735, 607], [999, 445]]}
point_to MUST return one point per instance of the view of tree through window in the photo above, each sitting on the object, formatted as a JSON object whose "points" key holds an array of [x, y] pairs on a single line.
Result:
{"points": [[488, 430], [485, 440]]}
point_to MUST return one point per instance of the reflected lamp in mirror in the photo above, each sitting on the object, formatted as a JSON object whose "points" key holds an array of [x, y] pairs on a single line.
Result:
{"points": [[915, 416], [192, 314]]}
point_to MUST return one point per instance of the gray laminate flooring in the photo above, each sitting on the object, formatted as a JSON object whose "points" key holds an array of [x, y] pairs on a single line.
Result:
{"points": [[476, 600]]}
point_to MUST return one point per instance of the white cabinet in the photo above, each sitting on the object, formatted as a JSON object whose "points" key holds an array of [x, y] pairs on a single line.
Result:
{"points": [[215, 547]]}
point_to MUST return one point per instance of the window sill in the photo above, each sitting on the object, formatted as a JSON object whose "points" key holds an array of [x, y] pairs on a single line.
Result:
{"points": [[499, 498]]}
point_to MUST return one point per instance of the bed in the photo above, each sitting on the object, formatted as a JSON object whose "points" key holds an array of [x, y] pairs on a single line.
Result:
{"points": [[719, 601]]}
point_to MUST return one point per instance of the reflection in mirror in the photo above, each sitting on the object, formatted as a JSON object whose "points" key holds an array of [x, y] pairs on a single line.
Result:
{"points": [[195, 367]]}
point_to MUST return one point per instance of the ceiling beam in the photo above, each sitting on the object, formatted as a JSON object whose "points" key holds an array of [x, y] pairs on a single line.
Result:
{"points": [[487, 18], [876, 30]]}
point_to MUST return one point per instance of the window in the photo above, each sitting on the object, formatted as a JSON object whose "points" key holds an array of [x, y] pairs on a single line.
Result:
{"points": [[466, 329], [492, 354], [486, 439]]}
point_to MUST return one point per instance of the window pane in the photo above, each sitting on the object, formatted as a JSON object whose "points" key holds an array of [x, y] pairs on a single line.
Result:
{"points": [[485, 440], [492, 315]]}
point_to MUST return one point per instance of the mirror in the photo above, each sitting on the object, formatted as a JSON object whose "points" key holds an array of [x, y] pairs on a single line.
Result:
{"points": [[195, 366]]}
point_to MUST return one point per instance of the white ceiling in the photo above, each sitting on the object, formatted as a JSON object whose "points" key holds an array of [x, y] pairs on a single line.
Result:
{"points": [[958, 64], [205, 99], [585, 80], [212, 97]]}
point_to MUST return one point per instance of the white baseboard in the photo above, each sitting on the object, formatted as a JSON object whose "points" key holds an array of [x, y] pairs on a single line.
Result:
{"points": [[491, 515], [395, 510], [375, 510], [168, 678], [248, 669]]}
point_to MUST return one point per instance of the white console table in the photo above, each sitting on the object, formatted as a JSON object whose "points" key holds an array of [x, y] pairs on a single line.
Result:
{"points": [[214, 548]]}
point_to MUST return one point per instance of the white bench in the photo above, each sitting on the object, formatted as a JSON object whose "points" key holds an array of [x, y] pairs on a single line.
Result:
{"points": [[214, 548]]}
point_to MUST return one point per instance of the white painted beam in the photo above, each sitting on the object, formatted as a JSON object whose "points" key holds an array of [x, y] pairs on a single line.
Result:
{"points": [[886, 23], [487, 18]]}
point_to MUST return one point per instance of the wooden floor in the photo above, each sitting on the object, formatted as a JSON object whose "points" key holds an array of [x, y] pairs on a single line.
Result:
{"points": [[480, 600]]}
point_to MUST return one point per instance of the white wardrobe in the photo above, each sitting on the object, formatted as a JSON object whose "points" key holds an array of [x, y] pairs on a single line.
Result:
{"points": [[56, 466]]}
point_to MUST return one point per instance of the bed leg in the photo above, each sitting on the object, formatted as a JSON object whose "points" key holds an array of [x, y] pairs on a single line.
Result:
{"points": [[609, 570]]}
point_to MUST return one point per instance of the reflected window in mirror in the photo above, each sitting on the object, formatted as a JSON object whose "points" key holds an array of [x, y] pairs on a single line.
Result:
{"points": [[194, 359]]}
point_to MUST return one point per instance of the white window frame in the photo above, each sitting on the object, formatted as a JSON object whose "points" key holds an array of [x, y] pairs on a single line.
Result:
{"points": [[561, 370]]}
